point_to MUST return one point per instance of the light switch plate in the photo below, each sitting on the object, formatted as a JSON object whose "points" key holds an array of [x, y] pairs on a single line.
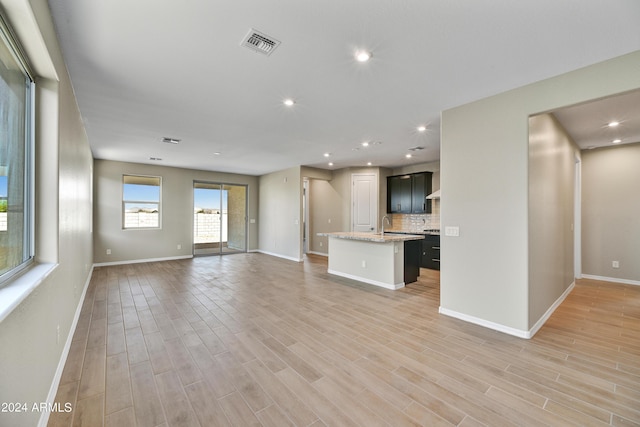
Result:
{"points": [[452, 231]]}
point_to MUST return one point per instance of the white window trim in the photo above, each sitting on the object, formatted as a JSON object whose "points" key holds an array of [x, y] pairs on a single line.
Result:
{"points": [[21, 287], [29, 166], [15, 290], [124, 202]]}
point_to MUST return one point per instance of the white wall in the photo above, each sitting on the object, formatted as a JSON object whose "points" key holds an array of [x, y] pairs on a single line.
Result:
{"points": [[280, 216], [30, 351], [423, 167], [484, 181], [176, 212], [552, 162], [341, 181], [325, 208], [325, 213], [611, 212], [330, 201]]}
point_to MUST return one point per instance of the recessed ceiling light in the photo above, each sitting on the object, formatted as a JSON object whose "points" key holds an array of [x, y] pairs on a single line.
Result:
{"points": [[408, 156], [327, 154], [289, 102], [216, 153], [363, 56], [616, 141], [368, 163], [330, 163], [613, 124], [422, 128], [365, 144]]}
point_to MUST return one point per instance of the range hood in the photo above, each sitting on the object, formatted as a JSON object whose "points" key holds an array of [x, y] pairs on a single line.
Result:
{"points": [[434, 195]]}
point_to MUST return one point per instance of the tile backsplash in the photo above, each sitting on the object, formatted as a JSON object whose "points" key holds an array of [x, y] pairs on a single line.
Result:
{"points": [[417, 222]]}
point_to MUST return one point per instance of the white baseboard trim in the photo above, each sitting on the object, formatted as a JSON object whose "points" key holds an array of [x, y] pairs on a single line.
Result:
{"points": [[318, 253], [551, 309], [485, 323], [51, 397], [507, 329], [138, 261], [393, 287], [611, 279], [280, 256]]}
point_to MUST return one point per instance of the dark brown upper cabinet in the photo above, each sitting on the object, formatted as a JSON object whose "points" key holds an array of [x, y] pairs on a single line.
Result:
{"points": [[407, 193]]}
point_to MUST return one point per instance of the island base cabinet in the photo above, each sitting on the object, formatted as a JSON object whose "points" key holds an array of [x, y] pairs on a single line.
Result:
{"points": [[412, 260], [379, 264]]}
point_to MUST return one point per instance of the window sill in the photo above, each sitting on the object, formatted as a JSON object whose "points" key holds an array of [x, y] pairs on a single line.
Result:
{"points": [[12, 294]]}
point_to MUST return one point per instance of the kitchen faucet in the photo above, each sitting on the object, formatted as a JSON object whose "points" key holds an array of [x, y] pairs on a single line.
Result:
{"points": [[388, 220]]}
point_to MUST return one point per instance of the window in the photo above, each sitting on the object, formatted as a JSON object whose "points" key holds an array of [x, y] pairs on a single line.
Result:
{"points": [[141, 201], [16, 158]]}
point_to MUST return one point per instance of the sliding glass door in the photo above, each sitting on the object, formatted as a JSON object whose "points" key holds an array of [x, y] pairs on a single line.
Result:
{"points": [[219, 218]]}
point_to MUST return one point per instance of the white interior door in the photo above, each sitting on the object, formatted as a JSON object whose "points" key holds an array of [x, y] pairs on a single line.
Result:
{"points": [[364, 202]]}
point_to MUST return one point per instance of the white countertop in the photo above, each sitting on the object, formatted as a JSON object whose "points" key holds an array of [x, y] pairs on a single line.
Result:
{"points": [[434, 232], [373, 237]]}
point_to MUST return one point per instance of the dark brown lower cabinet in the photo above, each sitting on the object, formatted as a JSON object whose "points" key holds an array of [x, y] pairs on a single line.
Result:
{"points": [[412, 252], [430, 252]]}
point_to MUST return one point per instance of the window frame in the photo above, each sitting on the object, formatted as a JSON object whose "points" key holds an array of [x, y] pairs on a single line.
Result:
{"points": [[7, 36], [126, 201]]}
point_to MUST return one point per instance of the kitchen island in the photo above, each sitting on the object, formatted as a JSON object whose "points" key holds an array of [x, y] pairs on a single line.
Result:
{"points": [[386, 260]]}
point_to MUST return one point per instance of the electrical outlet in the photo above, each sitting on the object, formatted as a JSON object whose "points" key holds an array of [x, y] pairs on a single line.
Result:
{"points": [[58, 334], [108, 251], [364, 264], [320, 244], [179, 247], [615, 264]]}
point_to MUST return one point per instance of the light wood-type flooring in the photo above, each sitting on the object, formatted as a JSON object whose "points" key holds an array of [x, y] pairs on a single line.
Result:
{"points": [[250, 340]]}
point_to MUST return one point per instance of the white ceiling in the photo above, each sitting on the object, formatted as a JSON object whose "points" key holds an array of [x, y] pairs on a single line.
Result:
{"points": [[588, 123], [146, 69]]}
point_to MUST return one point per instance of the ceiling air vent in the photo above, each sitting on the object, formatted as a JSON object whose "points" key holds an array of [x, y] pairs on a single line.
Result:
{"points": [[416, 148], [171, 140], [260, 42]]}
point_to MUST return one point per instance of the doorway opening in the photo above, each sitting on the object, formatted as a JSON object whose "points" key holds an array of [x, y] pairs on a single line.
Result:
{"points": [[219, 218]]}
